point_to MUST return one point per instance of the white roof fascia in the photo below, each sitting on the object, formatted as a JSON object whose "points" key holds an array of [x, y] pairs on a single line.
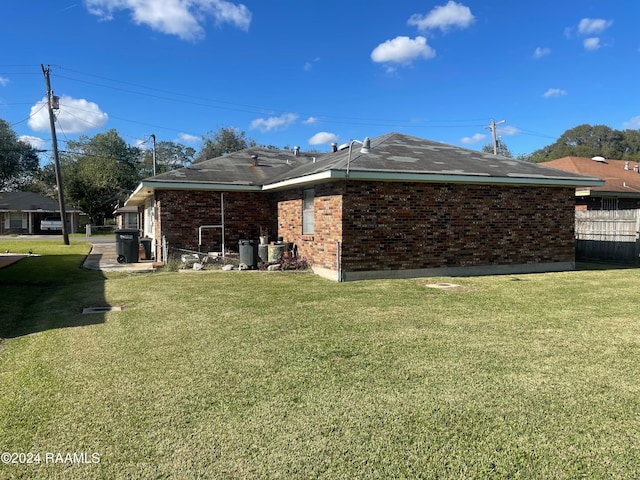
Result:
{"points": [[307, 179], [480, 178], [218, 187], [202, 186]]}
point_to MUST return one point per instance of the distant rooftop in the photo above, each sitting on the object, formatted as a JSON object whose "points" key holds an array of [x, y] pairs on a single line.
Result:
{"points": [[619, 175]]}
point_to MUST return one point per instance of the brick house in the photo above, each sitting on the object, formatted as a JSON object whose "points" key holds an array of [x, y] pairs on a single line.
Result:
{"points": [[22, 212], [621, 189], [405, 207]]}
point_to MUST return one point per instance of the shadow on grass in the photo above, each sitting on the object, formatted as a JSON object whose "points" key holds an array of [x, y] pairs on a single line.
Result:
{"points": [[48, 292]]}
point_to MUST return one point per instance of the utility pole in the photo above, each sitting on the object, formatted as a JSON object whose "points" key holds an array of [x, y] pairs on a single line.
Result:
{"points": [[52, 103], [154, 153], [492, 127]]}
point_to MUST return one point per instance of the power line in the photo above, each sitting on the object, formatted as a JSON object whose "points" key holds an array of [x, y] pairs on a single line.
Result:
{"points": [[243, 108], [30, 116]]}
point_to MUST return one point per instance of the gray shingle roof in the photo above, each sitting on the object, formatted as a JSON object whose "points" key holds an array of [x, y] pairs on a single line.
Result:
{"points": [[27, 202], [237, 168], [398, 153], [393, 156]]}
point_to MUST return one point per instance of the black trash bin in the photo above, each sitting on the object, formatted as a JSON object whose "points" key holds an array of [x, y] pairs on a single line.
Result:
{"points": [[249, 253], [127, 245], [146, 243]]}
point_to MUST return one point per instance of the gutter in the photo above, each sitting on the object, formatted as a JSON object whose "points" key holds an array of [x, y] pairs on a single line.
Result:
{"points": [[382, 176], [138, 196], [468, 178]]}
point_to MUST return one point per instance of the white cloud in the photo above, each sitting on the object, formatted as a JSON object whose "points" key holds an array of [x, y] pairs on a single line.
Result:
{"points": [[74, 116], [183, 18], [632, 124], [590, 26], [309, 65], [477, 138], [402, 50], [35, 142], [323, 138], [592, 44], [444, 17], [554, 93], [541, 52], [4, 81], [507, 130], [310, 121], [188, 138], [273, 123]]}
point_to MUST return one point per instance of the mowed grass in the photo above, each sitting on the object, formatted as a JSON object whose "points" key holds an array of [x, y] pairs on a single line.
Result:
{"points": [[272, 375]]}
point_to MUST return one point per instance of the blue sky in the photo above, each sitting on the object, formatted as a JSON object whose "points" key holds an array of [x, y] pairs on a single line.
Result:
{"points": [[308, 73]]}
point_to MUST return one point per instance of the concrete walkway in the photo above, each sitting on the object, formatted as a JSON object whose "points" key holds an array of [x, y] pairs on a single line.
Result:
{"points": [[103, 257]]}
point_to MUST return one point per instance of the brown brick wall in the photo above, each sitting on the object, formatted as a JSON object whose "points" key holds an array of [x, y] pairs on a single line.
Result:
{"points": [[321, 247], [388, 225], [182, 212], [407, 226]]}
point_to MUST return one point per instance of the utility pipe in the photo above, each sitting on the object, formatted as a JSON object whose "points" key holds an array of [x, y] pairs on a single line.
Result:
{"points": [[201, 227]]}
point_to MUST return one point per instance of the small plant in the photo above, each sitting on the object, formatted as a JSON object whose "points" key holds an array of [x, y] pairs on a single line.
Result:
{"points": [[173, 265], [288, 263]]}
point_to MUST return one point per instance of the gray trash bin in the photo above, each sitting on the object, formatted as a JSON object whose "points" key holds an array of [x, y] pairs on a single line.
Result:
{"points": [[127, 245], [249, 253]]}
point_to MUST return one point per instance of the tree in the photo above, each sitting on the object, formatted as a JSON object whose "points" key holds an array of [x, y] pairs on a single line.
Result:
{"points": [[18, 160], [169, 156], [99, 173], [502, 149], [591, 140], [225, 140]]}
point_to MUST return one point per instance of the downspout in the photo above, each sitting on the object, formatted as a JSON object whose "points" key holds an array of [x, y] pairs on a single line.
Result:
{"points": [[339, 262], [222, 214]]}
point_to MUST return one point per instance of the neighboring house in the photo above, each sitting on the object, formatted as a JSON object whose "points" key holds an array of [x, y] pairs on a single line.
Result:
{"points": [[409, 207], [608, 216], [127, 217], [621, 190], [21, 212]]}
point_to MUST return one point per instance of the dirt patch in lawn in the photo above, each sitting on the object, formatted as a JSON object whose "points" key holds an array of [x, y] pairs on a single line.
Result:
{"points": [[445, 286]]}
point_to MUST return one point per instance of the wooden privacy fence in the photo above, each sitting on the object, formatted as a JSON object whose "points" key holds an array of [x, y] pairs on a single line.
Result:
{"points": [[608, 235]]}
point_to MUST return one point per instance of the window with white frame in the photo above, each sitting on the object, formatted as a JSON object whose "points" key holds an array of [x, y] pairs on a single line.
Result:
{"points": [[16, 220], [308, 195], [132, 220]]}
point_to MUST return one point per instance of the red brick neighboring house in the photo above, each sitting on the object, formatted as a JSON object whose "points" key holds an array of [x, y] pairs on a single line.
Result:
{"points": [[621, 189], [409, 207]]}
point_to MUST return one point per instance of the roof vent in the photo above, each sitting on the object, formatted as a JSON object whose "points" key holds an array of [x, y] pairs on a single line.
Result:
{"points": [[254, 160], [599, 159], [626, 165], [334, 147], [636, 169], [296, 151]]}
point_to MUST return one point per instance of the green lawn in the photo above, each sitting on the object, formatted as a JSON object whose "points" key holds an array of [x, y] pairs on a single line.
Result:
{"points": [[286, 375]]}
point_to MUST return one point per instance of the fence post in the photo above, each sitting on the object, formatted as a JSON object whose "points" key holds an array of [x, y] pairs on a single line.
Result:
{"points": [[637, 236]]}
